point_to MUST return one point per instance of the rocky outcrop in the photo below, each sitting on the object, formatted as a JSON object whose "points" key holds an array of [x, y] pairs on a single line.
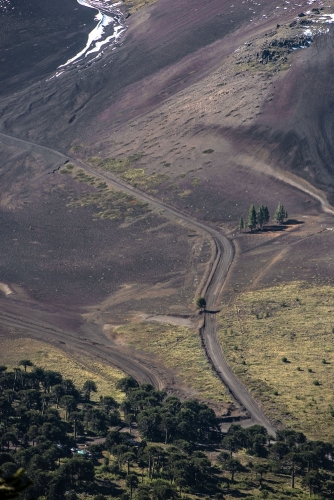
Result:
{"points": [[277, 48]]}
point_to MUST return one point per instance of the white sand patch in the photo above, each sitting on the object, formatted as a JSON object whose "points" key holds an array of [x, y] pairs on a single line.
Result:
{"points": [[167, 320], [6, 289]]}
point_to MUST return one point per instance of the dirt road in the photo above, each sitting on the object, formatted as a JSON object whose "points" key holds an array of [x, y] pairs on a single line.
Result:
{"points": [[211, 289], [17, 317]]}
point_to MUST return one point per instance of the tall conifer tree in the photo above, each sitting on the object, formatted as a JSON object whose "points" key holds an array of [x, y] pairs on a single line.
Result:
{"points": [[260, 216], [252, 218], [280, 214], [266, 215]]}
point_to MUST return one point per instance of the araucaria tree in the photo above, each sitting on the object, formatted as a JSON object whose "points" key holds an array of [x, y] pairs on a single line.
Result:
{"points": [[266, 214], [252, 218], [280, 214], [201, 303], [262, 216], [89, 387], [241, 224], [25, 363]]}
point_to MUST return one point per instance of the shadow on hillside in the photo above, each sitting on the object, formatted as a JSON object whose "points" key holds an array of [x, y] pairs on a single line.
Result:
{"points": [[277, 227]]}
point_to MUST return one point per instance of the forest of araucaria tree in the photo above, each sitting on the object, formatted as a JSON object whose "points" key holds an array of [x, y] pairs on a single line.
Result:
{"points": [[66, 444]]}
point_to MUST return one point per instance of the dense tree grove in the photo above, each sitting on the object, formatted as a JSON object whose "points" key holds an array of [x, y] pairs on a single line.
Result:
{"points": [[280, 214], [260, 217], [151, 447]]}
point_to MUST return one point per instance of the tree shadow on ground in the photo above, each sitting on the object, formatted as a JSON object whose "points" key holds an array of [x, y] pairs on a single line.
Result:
{"points": [[277, 227], [294, 222], [274, 228], [235, 493]]}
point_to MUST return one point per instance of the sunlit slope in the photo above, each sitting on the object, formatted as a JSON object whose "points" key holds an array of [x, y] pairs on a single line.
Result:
{"points": [[79, 369], [279, 341]]}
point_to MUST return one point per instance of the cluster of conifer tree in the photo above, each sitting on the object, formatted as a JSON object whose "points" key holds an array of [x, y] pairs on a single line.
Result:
{"points": [[44, 418], [260, 217]]}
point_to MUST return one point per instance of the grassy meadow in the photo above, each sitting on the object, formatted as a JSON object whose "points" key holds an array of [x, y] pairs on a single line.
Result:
{"points": [[48, 357], [179, 348], [279, 341]]}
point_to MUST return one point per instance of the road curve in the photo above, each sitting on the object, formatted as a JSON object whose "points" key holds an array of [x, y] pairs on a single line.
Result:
{"points": [[135, 366], [212, 288]]}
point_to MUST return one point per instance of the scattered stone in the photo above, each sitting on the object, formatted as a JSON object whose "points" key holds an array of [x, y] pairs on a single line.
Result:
{"points": [[305, 21]]}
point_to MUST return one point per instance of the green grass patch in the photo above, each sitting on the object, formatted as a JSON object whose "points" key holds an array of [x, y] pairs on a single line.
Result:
{"points": [[278, 353], [113, 205], [74, 149], [123, 167], [67, 169], [79, 369], [108, 203], [178, 348], [185, 193]]}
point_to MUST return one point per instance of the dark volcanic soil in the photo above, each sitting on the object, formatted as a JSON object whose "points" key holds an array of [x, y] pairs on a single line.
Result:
{"points": [[69, 256], [159, 38], [36, 36], [297, 125], [221, 131], [169, 46]]}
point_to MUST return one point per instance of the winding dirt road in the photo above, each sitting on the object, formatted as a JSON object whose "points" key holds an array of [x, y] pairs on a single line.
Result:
{"points": [[74, 343], [211, 289]]}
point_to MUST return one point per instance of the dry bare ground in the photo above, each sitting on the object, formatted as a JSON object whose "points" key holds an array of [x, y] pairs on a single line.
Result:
{"points": [[183, 95]]}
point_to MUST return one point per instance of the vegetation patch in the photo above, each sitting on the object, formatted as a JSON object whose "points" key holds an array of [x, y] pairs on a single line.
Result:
{"points": [[135, 5], [151, 447], [279, 341], [179, 348], [67, 169], [49, 357], [123, 167], [185, 193], [108, 203]]}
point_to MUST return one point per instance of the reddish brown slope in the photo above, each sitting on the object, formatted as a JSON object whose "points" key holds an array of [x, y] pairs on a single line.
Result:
{"points": [[297, 125], [167, 46]]}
